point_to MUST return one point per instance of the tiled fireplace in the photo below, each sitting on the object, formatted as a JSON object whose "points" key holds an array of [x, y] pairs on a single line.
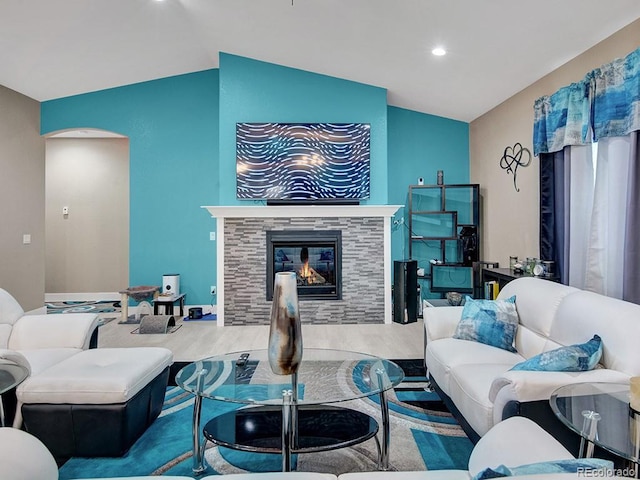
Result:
{"points": [[364, 259]]}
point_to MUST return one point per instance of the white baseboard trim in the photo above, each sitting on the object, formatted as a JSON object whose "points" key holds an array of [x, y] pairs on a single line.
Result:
{"points": [[81, 297]]}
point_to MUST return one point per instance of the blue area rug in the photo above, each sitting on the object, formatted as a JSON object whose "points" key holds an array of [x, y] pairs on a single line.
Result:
{"points": [[424, 436]]}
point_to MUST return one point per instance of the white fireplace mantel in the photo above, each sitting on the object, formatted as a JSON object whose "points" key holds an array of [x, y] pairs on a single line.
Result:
{"points": [[302, 211]]}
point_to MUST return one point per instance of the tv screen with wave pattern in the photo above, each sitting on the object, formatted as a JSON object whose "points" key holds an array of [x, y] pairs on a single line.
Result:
{"points": [[303, 161]]}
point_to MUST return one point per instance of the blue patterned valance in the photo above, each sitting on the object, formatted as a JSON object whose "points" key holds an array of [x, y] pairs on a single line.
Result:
{"points": [[561, 119], [606, 103]]}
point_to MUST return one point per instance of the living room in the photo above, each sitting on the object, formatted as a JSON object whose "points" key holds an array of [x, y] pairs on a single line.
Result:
{"points": [[177, 134]]}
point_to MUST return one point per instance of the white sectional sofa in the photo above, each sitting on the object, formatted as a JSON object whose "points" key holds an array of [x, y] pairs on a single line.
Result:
{"points": [[475, 379], [72, 384], [44, 340], [38, 342]]}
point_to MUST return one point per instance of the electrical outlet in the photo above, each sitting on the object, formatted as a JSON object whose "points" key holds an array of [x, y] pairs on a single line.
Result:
{"points": [[213, 290]]}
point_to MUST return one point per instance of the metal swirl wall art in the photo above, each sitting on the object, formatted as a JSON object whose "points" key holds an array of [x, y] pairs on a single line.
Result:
{"points": [[514, 157]]}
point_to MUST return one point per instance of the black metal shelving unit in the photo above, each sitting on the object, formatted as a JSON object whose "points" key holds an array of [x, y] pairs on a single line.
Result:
{"points": [[443, 221]]}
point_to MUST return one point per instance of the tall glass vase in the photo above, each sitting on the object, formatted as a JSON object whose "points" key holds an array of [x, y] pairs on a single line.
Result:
{"points": [[285, 333]]}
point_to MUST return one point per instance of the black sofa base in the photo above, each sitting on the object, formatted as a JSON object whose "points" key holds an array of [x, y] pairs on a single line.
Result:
{"points": [[85, 430], [471, 433]]}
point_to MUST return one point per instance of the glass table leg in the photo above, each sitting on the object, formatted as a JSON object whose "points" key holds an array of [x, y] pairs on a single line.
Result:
{"points": [[198, 448], [589, 433], [384, 409], [294, 410], [198, 451], [286, 430]]}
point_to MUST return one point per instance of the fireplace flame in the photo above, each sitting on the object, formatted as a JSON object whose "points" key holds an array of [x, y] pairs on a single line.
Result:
{"points": [[305, 271], [309, 276]]}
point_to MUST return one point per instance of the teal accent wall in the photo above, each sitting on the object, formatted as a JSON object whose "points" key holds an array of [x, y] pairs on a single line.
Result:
{"points": [[255, 91], [419, 146], [182, 151], [172, 125]]}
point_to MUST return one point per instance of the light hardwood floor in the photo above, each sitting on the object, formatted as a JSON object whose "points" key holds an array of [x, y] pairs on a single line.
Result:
{"points": [[196, 340]]}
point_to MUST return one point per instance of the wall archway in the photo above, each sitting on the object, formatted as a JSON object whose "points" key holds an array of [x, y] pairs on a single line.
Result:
{"points": [[86, 214]]}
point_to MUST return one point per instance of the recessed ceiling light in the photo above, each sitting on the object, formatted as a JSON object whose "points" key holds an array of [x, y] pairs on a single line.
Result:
{"points": [[439, 51]]}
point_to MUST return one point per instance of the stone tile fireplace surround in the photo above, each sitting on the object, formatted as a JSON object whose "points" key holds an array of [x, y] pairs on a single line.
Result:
{"points": [[366, 261]]}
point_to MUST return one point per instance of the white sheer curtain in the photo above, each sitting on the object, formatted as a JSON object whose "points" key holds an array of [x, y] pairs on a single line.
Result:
{"points": [[598, 216], [580, 188]]}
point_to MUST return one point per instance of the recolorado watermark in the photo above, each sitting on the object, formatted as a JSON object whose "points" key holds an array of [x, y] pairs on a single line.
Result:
{"points": [[628, 472]]}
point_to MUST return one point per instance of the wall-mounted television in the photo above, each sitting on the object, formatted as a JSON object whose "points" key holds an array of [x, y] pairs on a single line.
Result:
{"points": [[293, 162]]}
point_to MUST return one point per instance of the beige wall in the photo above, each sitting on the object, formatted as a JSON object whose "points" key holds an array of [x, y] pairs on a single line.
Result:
{"points": [[88, 249], [21, 199], [510, 218]]}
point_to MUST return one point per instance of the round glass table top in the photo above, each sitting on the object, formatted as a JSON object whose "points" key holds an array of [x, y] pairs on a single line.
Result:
{"points": [[324, 376], [11, 375], [617, 429]]}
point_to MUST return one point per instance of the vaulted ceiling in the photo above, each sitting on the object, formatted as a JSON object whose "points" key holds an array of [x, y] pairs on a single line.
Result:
{"points": [[495, 48]]}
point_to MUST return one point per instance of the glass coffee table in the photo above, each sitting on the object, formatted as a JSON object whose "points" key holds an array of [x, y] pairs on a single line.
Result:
{"points": [[290, 414], [600, 414]]}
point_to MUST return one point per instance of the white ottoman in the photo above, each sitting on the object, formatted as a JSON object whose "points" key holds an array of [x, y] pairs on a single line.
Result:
{"points": [[96, 403]]}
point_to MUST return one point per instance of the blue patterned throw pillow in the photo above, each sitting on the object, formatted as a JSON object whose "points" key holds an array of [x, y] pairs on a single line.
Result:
{"points": [[588, 467], [492, 322], [574, 358]]}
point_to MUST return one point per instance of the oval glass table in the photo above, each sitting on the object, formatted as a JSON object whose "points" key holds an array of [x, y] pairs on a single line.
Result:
{"points": [[301, 406], [600, 414]]}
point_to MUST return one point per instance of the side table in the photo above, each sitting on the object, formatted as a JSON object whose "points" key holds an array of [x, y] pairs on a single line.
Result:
{"points": [[11, 375], [168, 302], [599, 413]]}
